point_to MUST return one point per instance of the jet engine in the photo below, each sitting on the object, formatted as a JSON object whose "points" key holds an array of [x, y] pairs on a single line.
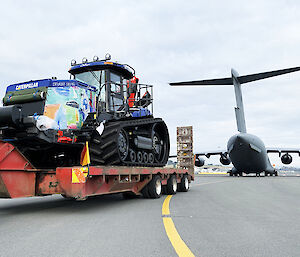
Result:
{"points": [[224, 159], [199, 161], [286, 159]]}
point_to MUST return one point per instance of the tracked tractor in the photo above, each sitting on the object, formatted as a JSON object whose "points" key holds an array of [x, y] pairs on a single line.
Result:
{"points": [[50, 120]]}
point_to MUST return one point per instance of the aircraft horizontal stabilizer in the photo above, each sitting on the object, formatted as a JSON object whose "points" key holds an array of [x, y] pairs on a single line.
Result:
{"points": [[265, 75], [241, 79], [208, 82]]}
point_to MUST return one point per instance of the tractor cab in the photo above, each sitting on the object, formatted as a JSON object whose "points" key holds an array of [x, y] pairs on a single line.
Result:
{"points": [[118, 91]]}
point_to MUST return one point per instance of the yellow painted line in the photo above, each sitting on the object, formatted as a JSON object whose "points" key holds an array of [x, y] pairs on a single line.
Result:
{"points": [[178, 244], [180, 247], [165, 208]]}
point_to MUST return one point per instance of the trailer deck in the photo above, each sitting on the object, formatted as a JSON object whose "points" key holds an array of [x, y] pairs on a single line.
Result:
{"points": [[18, 178]]}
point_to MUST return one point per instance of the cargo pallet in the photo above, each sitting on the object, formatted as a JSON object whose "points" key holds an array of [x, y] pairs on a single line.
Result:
{"points": [[18, 178]]}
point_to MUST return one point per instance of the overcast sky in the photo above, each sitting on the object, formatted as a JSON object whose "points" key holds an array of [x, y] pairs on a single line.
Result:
{"points": [[168, 41]]}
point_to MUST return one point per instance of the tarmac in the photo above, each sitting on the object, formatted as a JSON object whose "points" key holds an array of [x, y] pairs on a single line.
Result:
{"points": [[219, 216]]}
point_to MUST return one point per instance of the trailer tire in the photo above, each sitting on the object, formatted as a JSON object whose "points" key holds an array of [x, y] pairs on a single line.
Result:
{"points": [[184, 184], [164, 190], [172, 185], [67, 197], [145, 192], [129, 195], [155, 187]]}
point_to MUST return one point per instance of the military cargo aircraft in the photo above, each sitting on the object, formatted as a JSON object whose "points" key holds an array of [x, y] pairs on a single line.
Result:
{"points": [[247, 152]]}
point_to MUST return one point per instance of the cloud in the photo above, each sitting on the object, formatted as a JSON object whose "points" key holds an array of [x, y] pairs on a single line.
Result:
{"points": [[167, 41]]}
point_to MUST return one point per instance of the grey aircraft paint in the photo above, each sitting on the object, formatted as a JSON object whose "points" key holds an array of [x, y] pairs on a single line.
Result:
{"points": [[247, 152]]}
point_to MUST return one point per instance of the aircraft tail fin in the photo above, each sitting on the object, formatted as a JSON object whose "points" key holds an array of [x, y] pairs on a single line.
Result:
{"points": [[237, 80]]}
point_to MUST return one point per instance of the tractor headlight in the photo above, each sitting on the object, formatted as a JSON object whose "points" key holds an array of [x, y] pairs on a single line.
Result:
{"points": [[73, 62], [96, 58], [107, 56], [84, 60]]}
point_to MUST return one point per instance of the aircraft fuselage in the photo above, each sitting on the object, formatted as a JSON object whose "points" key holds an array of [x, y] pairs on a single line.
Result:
{"points": [[248, 154]]}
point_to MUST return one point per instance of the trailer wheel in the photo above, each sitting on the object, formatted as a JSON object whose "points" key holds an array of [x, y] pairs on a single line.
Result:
{"points": [[129, 195], [67, 197], [172, 185], [184, 184], [164, 190], [145, 192], [155, 187]]}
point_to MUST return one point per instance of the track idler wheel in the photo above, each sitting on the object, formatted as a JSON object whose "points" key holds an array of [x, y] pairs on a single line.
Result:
{"points": [[145, 157], [151, 158], [132, 155], [139, 157]]}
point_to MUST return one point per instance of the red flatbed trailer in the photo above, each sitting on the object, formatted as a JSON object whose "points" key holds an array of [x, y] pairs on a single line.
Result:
{"points": [[18, 178]]}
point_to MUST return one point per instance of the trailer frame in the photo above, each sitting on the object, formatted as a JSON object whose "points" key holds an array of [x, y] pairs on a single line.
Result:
{"points": [[18, 178]]}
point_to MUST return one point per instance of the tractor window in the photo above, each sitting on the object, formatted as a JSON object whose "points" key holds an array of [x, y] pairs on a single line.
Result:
{"points": [[115, 85], [117, 98], [115, 78], [90, 77]]}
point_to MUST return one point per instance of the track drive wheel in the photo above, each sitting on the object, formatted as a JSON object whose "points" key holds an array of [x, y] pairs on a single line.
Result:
{"points": [[172, 185], [155, 187], [184, 184]]}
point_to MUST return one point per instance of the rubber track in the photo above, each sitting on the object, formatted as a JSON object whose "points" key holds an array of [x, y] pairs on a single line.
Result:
{"points": [[104, 148]]}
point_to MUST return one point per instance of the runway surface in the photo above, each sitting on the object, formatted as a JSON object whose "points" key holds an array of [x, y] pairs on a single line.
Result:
{"points": [[219, 216]]}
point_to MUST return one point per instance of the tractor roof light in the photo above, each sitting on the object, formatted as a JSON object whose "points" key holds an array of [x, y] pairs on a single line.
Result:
{"points": [[84, 60], [96, 58], [73, 62], [107, 57]]}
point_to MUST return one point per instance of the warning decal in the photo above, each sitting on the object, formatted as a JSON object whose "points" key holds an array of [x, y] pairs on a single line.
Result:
{"points": [[79, 175]]}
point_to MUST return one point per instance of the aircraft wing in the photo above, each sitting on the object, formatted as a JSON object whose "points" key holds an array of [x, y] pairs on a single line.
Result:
{"points": [[206, 154], [282, 150], [209, 153]]}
